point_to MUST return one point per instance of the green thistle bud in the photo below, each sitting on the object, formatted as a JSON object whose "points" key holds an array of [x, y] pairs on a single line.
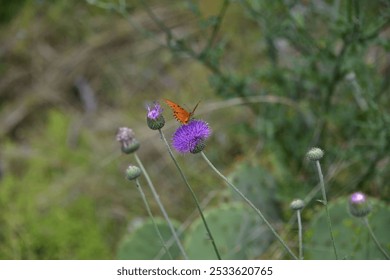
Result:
{"points": [[131, 147], [358, 205], [156, 124], [315, 154], [133, 172], [297, 204]]}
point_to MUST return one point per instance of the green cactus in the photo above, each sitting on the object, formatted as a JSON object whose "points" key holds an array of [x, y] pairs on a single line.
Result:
{"points": [[259, 186], [143, 243], [351, 236], [237, 231]]}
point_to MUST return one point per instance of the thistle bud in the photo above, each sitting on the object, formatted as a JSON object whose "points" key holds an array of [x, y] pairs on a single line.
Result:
{"points": [[358, 205], [315, 154], [297, 204], [133, 172]]}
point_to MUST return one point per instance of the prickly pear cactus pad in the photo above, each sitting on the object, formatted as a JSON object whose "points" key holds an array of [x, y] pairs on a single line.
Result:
{"points": [[258, 185], [237, 231], [352, 238], [143, 243]]}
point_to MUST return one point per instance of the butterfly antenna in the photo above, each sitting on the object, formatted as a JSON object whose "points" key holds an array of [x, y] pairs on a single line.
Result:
{"points": [[193, 110]]}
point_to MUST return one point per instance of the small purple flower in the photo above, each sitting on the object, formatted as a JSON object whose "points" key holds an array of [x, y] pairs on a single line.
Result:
{"points": [[357, 198], [154, 118], [191, 137], [154, 112], [358, 205]]}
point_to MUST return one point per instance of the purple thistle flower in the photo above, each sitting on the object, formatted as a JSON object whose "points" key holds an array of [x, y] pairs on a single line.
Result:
{"points": [[154, 112], [191, 137], [154, 118]]}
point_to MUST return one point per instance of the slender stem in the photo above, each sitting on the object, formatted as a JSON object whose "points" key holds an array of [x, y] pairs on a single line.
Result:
{"points": [[193, 195], [217, 25], [300, 234], [367, 224], [158, 22], [165, 214], [325, 202], [152, 218], [251, 205]]}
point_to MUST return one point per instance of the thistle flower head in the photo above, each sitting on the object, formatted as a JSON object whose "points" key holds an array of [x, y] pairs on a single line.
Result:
{"points": [[358, 205], [154, 118], [126, 136], [155, 111], [191, 137], [132, 172], [315, 154], [297, 204]]}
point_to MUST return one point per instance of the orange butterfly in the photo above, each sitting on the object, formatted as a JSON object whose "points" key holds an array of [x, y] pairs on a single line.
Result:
{"points": [[180, 114]]}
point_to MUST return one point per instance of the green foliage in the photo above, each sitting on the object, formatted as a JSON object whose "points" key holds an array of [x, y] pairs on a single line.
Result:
{"points": [[323, 64], [143, 243], [41, 216], [351, 235], [287, 51], [236, 229], [9, 9]]}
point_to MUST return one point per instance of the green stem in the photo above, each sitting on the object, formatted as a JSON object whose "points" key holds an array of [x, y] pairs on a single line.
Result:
{"points": [[251, 205], [161, 206], [151, 217], [325, 202], [192, 194], [300, 235], [367, 224], [217, 25]]}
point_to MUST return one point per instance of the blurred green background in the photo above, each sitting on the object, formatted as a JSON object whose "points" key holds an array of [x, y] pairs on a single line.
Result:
{"points": [[274, 78]]}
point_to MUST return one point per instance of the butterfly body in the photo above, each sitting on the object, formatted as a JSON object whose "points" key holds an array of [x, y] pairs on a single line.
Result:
{"points": [[179, 113]]}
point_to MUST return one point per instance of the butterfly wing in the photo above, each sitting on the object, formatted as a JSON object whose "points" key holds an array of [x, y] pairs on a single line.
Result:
{"points": [[179, 113]]}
